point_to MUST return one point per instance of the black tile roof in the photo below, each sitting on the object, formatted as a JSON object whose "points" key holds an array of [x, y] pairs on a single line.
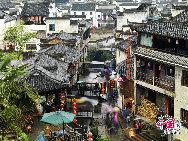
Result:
{"points": [[124, 0], [105, 11], [7, 16], [162, 57], [35, 9], [169, 29], [4, 5], [129, 4], [83, 7], [182, 17]]}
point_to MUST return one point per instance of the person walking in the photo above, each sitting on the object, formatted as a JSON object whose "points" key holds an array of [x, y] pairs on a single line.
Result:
{"points": [[136, 127], [140, 126], [116, 122]]}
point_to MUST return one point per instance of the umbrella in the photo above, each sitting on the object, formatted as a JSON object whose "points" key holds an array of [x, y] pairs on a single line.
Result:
{"points": [[120, 79], [116, 109], [79, 82], [92, 101], [137, 119], [58, 117]]}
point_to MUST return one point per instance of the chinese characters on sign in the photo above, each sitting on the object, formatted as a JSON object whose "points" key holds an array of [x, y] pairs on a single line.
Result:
{"points": [[169, 125]]}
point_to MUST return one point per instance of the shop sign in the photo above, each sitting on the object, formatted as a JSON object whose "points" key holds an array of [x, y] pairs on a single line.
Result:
{"points": [[169, 125]]}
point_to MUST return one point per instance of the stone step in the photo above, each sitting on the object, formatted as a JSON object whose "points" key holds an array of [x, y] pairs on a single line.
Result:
{"points": [[148, 136]]}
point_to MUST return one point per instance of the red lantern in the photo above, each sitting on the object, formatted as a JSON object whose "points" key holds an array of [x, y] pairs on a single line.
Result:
{"points": [[128, 71], [75, 108], [128, 61], [61, 94], [128, 44], [62, 109], [90, 139], [74, 112], [61, 97], [128, 38], [131, 32], [74, 100], [90, 135], [62, 105], [128, 55], [20, 17], [152, 36], [128, 49], [128, 66], [75, 120], [146, 35], [74, 104], [128, 77]]}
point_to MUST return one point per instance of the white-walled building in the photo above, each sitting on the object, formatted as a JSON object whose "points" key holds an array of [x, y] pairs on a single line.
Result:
{"points": [[87, 9]]}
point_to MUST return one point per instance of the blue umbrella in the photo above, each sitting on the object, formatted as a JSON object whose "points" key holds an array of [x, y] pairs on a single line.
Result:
{"points": [[79, 82]]}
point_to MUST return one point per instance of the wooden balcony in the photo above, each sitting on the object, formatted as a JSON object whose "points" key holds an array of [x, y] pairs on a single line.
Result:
{"points": [[167, 83]]}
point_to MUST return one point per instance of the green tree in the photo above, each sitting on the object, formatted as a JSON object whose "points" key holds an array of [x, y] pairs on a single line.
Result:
{"points": [[19, 36], [16, 98]]}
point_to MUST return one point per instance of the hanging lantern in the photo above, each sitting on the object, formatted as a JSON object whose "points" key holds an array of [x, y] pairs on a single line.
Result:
{"points": [[74, 100], [128, 49], [128, 61], [90, 135], [90, 139], [20, 18], [169, 40], [177, 42], [61, 94], [128, 71], [159, 67], [74, 112], [128, 55], [146, 35], [128, 38], [74, 108], [152, 36], [74, 104], [128, 44], [149, 64], [62, 105], [131, 31], [75, 120], [128, 66], [61, 98], [62, 109], [128, 77]]}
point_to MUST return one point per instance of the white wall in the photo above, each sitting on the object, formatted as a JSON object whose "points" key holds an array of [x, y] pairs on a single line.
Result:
{"points": [[121, 8], [88, 16], [180, 101], [61, 24], [132, 17]]}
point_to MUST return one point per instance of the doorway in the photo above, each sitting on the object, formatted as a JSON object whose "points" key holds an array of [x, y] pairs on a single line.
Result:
{"points": [[152, 96]]}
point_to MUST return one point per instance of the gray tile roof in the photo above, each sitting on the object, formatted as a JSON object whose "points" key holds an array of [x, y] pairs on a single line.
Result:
{"points": [[105, 11], [129, 4], [182, 17], [162, 57], [169, 29], [83, 7], [124, 0], [35, 9], [6, 16], [62, 7], [86, 23], [4, 5]]}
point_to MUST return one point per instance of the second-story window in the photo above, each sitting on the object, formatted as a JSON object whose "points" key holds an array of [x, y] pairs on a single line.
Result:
{"points": [[184, 117], [146, 40], [185, 78], [51, 27], [98, 16], [91, 13], [170, 71], [83, 13], [74, 13]]}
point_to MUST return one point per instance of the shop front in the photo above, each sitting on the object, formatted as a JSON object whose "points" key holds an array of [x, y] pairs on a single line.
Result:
{"points": [[150, 102]]}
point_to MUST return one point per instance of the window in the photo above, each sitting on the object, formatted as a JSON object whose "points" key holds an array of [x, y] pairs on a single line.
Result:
{"points": [[91, 13], [170, 71], [184, 117], [185, 78], [119, 54], [146, 40], [83, 13], [74, 13], [98, 16], [51, 27]]}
